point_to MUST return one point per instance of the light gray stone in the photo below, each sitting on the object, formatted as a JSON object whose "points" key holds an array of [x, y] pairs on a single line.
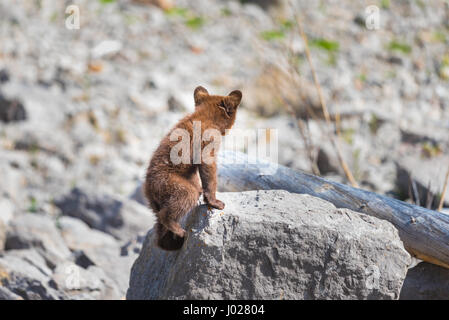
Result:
{"points": [[428, 174], [274, 245], [95, 248], [38, 232], [81, 284], [115, 215], [2, 235], [6, 211], [25, 273]]}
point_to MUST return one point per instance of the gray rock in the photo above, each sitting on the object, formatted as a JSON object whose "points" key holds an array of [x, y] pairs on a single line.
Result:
{"points": [[95, 248], [138, 195], [274, 245], [427, 173], [4, 76], [2, 235], [175, 105], [26, 274], [111, 214], [426, 282], [11, 110], [5, 294], [6, 211], [38, 232], [81, 284]]}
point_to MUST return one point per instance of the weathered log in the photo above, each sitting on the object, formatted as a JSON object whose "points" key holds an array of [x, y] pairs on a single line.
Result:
{"points": [[424, 232]]}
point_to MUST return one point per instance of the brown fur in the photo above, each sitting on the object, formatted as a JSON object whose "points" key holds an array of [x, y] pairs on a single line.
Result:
{"points": [[174, 190]]}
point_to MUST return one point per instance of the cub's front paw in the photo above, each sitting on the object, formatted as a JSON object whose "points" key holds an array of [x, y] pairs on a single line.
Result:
{"points": [[217, 204]]}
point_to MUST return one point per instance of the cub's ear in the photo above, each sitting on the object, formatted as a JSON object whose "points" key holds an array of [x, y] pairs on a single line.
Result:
{"points": [[236, 97], [199, 94]]}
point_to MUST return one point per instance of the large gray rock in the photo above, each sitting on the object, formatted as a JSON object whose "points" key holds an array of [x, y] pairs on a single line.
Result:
{"points": [[38, 232], [115, 215], [274, 245], [95, 248], [25, 273], [85, 284], [426, 282]]}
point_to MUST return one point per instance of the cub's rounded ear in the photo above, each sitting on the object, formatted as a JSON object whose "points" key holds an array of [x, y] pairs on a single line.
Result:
{"points": [[236, 96], [199, 94]]}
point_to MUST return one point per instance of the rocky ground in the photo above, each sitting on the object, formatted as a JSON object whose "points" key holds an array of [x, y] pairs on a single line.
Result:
{"points": [[82, 110]]}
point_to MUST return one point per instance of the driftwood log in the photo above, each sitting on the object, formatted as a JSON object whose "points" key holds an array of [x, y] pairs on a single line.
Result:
{"points": [[425, 233]]}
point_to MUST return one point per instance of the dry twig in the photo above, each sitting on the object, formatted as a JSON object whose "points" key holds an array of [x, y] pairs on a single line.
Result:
{"points": [[334, 142]]}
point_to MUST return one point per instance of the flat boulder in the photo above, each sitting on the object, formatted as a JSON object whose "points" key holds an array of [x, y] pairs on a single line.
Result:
{"points": [[274, 245]]}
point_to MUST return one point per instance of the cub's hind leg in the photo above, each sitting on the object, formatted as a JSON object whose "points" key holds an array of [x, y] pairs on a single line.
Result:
{"points": [[182, 198]]}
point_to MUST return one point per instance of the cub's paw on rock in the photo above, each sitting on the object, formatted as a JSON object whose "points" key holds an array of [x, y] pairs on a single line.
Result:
{"points": [[217, 204]]}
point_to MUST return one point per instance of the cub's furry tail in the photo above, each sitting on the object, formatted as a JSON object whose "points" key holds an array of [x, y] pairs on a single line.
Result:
{"points": [[166, 239]]}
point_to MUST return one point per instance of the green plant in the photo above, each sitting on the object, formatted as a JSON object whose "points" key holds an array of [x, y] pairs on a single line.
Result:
{"points": [[195, 22], [385, 4], [362, 77], [331, 47], [374, 124], [402, 47], [285, 25], [430, 150], [177, 11], [348, 135], [444, 67], [226, 12], [439, 36], [33, 205], [270, 35], [191, 20], [324, 44]]}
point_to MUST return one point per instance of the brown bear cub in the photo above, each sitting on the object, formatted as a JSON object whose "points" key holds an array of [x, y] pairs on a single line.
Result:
{"points": [[173, 187]]}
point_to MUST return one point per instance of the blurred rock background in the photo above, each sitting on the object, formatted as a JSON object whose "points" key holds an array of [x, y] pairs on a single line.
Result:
{"points": [[81, 111]]}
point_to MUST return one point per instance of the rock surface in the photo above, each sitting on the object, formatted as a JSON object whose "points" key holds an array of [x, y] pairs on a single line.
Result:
{"points": [[65, 258], [111, 214], [25, 273], [274, 245], [426, 282], [39, 232], [2, 235], [11, 110]]}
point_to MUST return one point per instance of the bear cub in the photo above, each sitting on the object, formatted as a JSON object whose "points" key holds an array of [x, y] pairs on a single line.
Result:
{"points": [[173, 187]]}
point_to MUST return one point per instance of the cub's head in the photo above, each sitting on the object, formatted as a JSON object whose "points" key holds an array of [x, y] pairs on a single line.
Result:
{"points": [[221, 109]]}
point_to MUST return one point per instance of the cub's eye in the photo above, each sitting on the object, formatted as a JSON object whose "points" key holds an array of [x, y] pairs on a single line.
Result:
{"points": [[225, 108]]}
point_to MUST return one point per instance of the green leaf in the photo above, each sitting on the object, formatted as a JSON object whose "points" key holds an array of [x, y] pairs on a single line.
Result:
{"points": [[195, 22], [399, 46], [323, 44], [272, 35], [177, 11]]}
